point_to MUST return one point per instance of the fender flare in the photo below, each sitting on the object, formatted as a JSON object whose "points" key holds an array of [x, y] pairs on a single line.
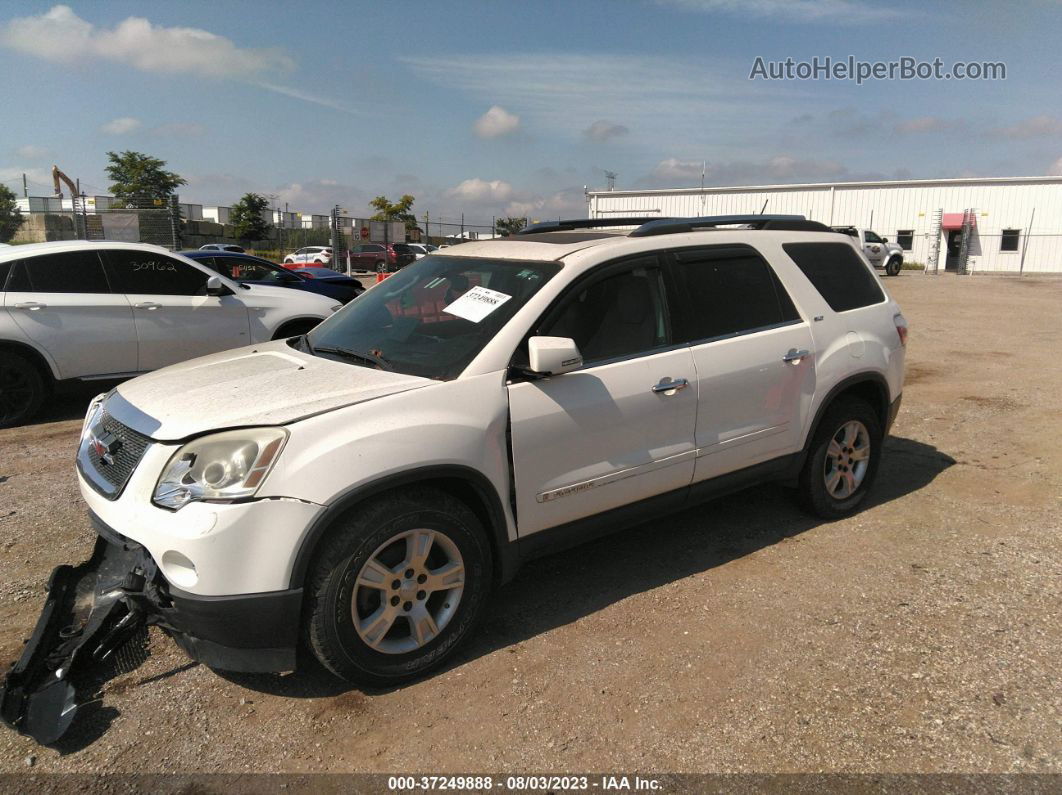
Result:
{"points": [[867, 376], [506, 557]]}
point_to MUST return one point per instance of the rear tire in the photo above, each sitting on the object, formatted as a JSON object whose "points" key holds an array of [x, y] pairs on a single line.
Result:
{"points": [[22, 389], [893, 266], [842, 459], [364, 628]]}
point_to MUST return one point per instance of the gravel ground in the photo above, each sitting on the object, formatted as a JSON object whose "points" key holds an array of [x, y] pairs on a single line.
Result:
{"points": [[921, 635]]}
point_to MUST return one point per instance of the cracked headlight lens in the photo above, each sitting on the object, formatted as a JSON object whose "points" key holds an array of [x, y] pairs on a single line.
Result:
{"points": [[219, 467]]}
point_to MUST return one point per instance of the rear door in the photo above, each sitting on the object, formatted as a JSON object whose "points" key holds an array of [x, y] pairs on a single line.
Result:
{"points": [[64, 303], [605, 435], [754, 354], [175, 318]]}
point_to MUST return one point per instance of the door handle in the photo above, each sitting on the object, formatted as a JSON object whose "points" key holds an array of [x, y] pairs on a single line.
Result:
{"points": [[669, 387], [32, 306], [147, 305], [795, 356]]}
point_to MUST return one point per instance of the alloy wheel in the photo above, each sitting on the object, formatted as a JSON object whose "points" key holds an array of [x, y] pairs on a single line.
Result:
{"points": [[847, 460], [408, 591]]}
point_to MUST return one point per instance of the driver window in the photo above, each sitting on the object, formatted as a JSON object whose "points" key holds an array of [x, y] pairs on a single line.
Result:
{"points": [[620, 315]]}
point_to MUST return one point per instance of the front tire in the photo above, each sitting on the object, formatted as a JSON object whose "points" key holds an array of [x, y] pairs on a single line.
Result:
{"points": [[398, 585], [893, 266], [22, 389], [842, 459]]}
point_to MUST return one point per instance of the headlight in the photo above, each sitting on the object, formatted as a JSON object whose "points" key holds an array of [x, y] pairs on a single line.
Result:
{"points": [[222, 466]]}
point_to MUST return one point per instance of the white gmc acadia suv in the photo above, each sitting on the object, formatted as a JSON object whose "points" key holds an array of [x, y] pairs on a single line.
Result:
{"points": [[81, 311], [363, 489]]}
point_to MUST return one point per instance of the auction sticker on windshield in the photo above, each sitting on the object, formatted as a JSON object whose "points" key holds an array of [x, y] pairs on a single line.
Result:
{"points": [[477, 303]]}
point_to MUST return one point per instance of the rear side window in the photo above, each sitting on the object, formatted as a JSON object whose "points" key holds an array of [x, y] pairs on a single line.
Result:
{"points": [[148, 273], [68, 272], [5, 268], [837, 273], [730, 295]]}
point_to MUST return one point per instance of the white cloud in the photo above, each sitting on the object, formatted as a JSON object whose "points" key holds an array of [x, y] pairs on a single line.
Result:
{"points": [[840, 12], [61, 35], [496, 122], [675, 169], [602, 130], [693, 102], [1055, 169], [306, 96], [123, 125], [924, 124], [481, 191], [179, 129], [1034, 127], [562, 204], [31, 152]]}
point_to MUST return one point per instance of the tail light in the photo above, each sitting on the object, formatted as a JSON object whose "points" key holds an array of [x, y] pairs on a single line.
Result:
{"points": [[901, 328]]}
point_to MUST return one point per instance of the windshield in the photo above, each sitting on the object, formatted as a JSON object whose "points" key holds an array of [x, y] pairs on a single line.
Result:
{"points": [[432, 317]]}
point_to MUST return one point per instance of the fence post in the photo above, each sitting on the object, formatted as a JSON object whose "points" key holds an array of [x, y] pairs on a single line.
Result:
{"points": [[175, 222]]}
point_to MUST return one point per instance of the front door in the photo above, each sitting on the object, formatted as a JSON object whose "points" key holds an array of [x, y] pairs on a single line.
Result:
{"points": [[873, 247], [175, 319], [954, 249], [64, 303], [612, 432]]}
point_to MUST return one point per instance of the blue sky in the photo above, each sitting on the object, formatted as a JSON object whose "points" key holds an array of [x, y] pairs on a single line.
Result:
{"points": [[492, 108]]}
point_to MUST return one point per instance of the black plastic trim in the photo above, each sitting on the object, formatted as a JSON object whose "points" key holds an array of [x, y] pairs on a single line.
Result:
{"points": [[847, 383]]}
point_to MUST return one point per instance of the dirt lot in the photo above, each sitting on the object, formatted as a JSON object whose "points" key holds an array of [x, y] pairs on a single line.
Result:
{"points": [[923, 634]]}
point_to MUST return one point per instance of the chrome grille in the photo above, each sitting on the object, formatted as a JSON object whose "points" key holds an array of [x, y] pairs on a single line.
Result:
{"points": [[110, 476]]}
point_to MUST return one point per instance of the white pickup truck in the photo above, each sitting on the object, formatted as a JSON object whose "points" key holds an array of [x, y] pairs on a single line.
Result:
{"points": [[877, 249]]}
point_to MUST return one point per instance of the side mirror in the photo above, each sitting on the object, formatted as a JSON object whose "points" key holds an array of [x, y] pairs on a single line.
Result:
{"points": [[553, 355], [884, 240], [216, 287]]}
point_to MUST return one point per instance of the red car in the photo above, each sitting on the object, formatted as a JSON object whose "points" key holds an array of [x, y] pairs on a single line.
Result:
{"points": [[370, 256]]}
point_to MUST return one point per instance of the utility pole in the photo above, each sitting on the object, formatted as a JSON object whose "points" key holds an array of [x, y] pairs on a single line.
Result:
{"points": [[427, 228], [462, 226], [25, 187], [493, 227]]}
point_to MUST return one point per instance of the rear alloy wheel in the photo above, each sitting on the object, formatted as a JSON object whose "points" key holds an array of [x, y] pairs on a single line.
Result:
{"points": [[22, 389], [842, 459], [399, 583]]}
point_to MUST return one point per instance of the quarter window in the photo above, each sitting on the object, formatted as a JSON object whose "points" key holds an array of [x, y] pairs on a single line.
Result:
{"points": [[837, 273], [619, 315], [732, 294], [68, 272], [147, 273], [1009, 240]]}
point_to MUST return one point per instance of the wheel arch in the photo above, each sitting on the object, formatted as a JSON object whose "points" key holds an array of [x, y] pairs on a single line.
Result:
{"points": [[466, 484], [39, 359], [286, 329], [869, 386]]}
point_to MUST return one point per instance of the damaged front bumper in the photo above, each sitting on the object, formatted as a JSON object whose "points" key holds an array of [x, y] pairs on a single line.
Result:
{"points": [[92, 610]]}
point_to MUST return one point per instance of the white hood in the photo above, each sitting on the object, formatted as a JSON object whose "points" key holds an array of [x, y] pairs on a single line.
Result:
{"points": [[267, 384]]}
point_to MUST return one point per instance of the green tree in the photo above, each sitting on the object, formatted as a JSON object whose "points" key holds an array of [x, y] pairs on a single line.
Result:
{"points": [[247, 217], [10, 215], [402, 210], [509, 226], [139, 180]]}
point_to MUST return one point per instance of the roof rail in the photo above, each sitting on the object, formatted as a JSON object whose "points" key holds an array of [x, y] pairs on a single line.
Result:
{"points": [[584, 223], [670, 226]]}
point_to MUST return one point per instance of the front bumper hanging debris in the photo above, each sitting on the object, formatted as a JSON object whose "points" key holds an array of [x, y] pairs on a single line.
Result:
{"points": [[91, 611]]}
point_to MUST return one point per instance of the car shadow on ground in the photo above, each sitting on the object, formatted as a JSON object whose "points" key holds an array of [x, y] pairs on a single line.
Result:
{"points": [[562, 588]]}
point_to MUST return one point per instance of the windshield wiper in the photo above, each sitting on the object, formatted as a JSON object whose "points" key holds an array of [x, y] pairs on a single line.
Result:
{"points": [[371, 358]]}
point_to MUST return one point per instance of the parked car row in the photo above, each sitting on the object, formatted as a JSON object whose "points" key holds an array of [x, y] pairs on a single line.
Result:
{"points": [[85, 311], [248, 269]]}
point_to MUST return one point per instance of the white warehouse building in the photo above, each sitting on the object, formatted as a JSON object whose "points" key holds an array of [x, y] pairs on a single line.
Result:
{"points": [[1011, 224]]}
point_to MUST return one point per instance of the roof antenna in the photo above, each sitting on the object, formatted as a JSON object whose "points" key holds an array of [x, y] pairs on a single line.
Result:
{"points": [[764, 207], [611, 177]]}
